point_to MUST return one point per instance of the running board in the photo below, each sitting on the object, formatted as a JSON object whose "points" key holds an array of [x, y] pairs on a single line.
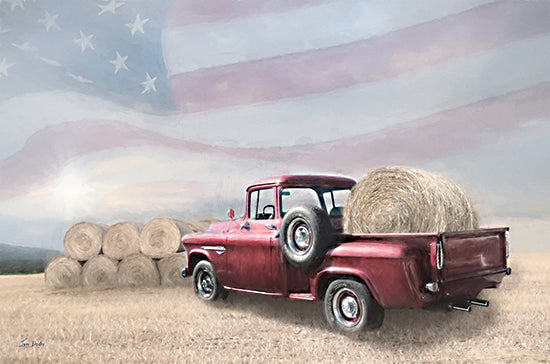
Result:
{"points": [[301, 296]]}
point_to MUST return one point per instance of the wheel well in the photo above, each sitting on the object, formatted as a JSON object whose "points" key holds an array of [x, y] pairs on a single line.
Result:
{"points": [[326, 280], [194, 259]]}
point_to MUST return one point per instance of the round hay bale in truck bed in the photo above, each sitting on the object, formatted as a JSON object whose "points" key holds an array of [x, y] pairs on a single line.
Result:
{"points": [[407, 200]]}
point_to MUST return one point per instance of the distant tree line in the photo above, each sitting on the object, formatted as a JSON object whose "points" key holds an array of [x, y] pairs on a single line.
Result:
{"points": [[24, 260]]}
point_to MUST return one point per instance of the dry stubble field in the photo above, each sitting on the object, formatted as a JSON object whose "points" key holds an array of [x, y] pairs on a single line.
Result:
{"points": [[171, 325]]}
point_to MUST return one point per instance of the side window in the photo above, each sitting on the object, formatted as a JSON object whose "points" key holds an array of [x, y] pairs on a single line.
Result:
{"points": [[262, 204]]}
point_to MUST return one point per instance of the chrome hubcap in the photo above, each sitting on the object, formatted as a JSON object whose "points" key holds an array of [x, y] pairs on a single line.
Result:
{"points": [[349, 307], [346, 307], [301, 237], [205, 285]]}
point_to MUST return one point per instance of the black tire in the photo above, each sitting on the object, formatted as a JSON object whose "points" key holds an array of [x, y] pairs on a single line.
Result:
{"points": [[306, 234], [205, 282], [350, 307]]}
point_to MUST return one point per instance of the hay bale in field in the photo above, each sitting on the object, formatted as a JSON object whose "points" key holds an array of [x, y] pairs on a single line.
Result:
{"points": [[83, 240], [63, 272], [402, 200], [137, 270], [170, 270], [121, 240], [161, 237], [200, 226], [100, 271], [184, 229]]}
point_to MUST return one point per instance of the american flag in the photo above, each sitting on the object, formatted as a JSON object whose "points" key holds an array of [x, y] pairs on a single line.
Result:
{"points": [[101, 48], [117, 110]]}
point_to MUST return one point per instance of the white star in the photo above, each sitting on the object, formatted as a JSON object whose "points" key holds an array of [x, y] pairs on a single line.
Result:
{"points": [[49, 21], [85, 42], [4, 66], [137, 25], [112, 6], [25, 47], [148, 84], [119, 62]]}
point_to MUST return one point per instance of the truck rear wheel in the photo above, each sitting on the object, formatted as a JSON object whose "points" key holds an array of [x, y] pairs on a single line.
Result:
{"points": [[350, 307], [306, 233], [205, 282]]}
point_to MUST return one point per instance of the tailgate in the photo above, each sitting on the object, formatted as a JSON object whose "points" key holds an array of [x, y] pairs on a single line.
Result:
{"points": [[473, 254]]}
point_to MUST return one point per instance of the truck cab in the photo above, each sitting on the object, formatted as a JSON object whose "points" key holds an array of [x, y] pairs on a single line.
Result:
{"points": [[254, 238]]}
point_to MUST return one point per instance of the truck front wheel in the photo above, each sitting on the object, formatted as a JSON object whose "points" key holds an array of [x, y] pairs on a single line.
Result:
{"points": [[205, 282], [350, 307]]}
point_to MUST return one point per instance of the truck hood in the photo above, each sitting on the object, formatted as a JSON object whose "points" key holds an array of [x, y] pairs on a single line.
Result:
{"points": [[220, 227]]}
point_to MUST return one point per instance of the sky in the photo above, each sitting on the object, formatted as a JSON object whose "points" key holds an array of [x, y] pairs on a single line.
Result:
{"points": [[128, 110]]}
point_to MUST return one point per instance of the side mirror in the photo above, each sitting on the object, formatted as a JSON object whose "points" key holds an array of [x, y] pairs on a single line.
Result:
{"points": [[231, 213]]}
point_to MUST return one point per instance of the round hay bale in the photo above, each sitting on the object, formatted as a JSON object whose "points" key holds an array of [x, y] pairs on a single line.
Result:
{"points": [[407, 200], [200, 226], [121, 240], [100, 271], [170, 270], [63, 272], [185, 228], [83, 240], [137, 270], [161, 237]]}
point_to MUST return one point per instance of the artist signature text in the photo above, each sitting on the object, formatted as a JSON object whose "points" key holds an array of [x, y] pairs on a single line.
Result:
{"points": [[25, 343]]}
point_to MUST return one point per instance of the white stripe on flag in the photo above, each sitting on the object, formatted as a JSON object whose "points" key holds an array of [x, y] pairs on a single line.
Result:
{"points": [[197, 46], [371, 107]]}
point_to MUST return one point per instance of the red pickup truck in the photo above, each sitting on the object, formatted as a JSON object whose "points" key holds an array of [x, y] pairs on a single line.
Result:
{"points": [[290, 243]]}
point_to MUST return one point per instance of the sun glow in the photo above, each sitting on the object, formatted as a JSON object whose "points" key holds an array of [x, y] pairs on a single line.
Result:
{"points": [[71, 191]]}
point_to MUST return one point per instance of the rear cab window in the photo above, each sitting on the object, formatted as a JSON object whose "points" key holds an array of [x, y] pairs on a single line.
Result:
{"points": [[332, 201]]}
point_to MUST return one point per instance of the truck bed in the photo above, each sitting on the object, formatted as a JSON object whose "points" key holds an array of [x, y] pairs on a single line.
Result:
{"points": [[461, 264]]}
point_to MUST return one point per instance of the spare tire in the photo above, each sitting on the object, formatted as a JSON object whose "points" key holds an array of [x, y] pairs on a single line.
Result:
{"points": [[306, 234]]}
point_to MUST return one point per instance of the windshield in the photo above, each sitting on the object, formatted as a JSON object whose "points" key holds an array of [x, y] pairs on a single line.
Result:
{"points": [[332, 201]]}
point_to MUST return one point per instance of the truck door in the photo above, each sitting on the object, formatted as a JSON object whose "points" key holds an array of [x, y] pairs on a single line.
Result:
{"points": [[249, 246]]}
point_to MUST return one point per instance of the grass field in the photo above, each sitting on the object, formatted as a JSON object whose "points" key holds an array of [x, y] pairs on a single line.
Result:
{"points": [[172, 325]]}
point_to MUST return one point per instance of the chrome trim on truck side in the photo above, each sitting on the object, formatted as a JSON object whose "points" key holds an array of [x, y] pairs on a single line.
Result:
{"points": [[218, 249]]}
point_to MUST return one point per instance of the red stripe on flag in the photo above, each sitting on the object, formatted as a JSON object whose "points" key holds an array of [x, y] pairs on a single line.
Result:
{"points": [[187, 12], [365, 61], [430, 138], [426, 139]]}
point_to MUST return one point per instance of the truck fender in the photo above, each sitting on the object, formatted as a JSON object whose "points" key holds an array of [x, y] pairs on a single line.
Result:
{"points": [[323, 278], [196, 256]]}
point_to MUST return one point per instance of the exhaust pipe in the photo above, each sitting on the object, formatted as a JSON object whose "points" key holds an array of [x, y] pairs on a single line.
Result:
{"points": [[464, 308], [478, 302]]}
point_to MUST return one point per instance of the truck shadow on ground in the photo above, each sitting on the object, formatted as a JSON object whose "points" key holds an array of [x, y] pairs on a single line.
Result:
{"points": [[401, 326]]}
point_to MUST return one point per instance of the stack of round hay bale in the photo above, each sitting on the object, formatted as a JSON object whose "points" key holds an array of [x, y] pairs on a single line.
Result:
{"points": [[122, 255]]}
